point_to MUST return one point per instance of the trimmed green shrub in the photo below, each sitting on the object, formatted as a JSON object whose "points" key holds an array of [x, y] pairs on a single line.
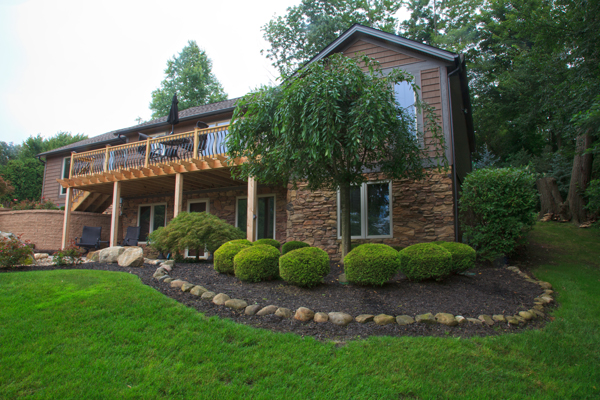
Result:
{"points": [[371, 264], [425, 261], [497, 208], [257, 263], [304, 267], [463, 256], [293, 245], [270, 242], [223, 257], [242, 241]]}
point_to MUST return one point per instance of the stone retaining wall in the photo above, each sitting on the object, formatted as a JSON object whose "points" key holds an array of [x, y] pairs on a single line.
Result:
{"points": [[44, 227]]}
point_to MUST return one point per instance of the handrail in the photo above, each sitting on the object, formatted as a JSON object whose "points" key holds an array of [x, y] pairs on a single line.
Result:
{"points": [[196, 144]]}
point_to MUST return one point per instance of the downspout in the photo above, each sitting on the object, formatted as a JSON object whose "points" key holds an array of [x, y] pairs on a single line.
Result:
{"points": [[454, 175]]}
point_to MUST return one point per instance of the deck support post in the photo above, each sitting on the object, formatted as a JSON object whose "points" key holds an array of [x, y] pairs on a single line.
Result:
{"points": [[252, 218], [178, 194], [67, 218], [116, 210]]}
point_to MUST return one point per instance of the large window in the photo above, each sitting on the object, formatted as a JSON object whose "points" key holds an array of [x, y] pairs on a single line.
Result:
{"points": [[66, 168], [151, 217], [265, 227], [370, 212], [405, 97]]}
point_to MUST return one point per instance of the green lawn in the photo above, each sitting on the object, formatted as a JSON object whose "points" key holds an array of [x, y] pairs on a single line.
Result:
{"points": [[93, 334]]}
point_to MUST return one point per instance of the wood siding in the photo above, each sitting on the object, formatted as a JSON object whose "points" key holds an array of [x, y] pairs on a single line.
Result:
{"points": [[52, 173], [386, 57], [431, 94]]}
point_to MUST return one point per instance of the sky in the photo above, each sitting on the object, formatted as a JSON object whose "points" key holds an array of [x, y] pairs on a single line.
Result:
{"points": [[90, 67]]}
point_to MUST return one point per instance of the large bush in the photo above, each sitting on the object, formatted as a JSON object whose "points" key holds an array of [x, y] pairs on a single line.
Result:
{"points": [[497, 208], [223, 259], [293, 245], [371, 264], [304, 267], [425, 261], [270, 242], [14, 252], [257, 263], [463, 256]]}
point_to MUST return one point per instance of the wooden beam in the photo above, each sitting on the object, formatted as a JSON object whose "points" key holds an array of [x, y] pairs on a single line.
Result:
{"points": [[252, 210], [116, 210], [178, 194], [67, 218]]}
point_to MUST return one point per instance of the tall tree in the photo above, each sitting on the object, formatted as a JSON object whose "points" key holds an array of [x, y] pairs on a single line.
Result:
{"points": [[309, 27], [325, 127], [34, 145], [189, 74]]}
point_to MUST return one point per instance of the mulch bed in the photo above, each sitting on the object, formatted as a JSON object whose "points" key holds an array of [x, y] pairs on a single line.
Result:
{"points": [[488, 291]]}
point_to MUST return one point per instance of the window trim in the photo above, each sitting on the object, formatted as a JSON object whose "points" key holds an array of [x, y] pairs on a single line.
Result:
{"points": [[62, 176], [274, 212], [195, 201], [364, 223], [151, 205]]}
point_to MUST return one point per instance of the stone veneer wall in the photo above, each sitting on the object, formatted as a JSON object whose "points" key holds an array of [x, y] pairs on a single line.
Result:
{"points": [[222, 203], [422, 211]]}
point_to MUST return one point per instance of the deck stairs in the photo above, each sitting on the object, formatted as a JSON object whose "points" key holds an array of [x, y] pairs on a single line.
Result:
{"points": [[91, 202]]}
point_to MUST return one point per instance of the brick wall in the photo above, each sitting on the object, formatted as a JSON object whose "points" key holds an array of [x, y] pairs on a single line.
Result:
{"points": [[44, 227], [422, 211]]}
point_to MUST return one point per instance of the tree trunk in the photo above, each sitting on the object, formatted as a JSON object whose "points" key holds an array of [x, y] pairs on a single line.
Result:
{"points": [[580, 178], [550, 197], [345, 219]]}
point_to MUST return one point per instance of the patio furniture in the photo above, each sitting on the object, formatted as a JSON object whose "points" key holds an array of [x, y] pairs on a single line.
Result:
{"points": [[90, 238], [132, 236]]}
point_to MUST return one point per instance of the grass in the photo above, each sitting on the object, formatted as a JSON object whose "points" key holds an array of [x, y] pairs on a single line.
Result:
{"points": [[98, 335]]}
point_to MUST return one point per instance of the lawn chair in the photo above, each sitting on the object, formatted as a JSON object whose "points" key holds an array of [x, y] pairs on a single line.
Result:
{"points": [[132, 237], [90, 238]]}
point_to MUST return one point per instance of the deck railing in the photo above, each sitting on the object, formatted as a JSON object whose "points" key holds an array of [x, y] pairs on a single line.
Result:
{"points": [[197, 144]]}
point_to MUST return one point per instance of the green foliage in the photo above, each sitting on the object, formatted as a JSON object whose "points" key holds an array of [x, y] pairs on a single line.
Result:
{"points": [[497, 208], [223, 258], [34, 145], [188, 74], [195, 231], [309, 27], [293, 245], [5, 188], [593, 195], [14, 252], [43, 204], [304, 266], [463, 256], [157, 239], [270, 242], [26, 176], [371, 264], [257, 263], [70, 255], [425, 261]]}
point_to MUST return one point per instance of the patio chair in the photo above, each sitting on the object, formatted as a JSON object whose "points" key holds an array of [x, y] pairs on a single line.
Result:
{"points": [[132, 236], [90, 238]]}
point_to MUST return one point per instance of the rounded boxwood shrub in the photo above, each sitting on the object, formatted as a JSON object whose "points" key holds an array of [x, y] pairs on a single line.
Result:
{"points": [[293, 245], [425, 261], [371, 264], [463, 256], [270, 242], [257, 263], [305, 266], [223, 257]]}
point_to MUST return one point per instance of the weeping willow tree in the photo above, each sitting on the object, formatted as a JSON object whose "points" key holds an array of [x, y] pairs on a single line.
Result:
{"points": [[328, 125]]}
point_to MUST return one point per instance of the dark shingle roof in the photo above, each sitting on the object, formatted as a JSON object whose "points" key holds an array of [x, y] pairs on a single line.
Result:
{"points": [[187, 114]]}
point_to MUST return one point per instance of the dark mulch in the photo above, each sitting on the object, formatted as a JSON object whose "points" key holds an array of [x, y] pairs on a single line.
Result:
{"points": [[487, 291]]}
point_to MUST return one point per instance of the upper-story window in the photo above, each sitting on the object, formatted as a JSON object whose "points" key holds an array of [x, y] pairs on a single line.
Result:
{"points": [[405, 96], [66, 167]]}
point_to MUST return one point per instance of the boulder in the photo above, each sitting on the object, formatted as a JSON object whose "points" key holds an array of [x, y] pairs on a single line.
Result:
{"points": [[304, 314], [446, 319], [177, 283], [159, 272], [236, 304], [364, 318], [110, 254], [460, 319], [93, 256], [340, 318], [220, 299], [384, 319], [252, 309], [186, 287], [404, 320], [131, 257], [169, 280], [284, 312], [167, 267], [150, 261], [40, 256], [168, 263], [498, 318], [164, 277], [522, 321], [525, 315], [267, 310], [512, 320], [486, 319], [426, 318], [321, 317], [198, 290], [208, 295]]}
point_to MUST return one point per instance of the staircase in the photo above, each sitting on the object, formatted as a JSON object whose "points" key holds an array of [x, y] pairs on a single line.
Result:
{"points": [[90, 202]]}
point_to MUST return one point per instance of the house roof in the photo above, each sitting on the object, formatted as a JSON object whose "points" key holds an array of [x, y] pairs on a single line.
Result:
{"points": [[113, 136]]}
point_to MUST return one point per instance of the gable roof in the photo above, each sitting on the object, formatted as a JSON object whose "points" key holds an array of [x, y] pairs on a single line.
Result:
{"points": [[113, 136]]}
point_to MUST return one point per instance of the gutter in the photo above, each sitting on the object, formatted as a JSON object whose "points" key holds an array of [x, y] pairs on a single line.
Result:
{"points": [[454, 175]]}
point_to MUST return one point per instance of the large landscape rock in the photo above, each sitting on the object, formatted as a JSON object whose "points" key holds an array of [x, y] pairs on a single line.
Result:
{"points": [[110, 254], [283, 312], [340, 318], [267, 310], [364, 318], [383, 319], [321, 317], [252, 309], [304, 314], [426, 318], [198, 290], [404, 320], [220, 299], [446, 319], [131, 257], [93, 255], [236, 304]]}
